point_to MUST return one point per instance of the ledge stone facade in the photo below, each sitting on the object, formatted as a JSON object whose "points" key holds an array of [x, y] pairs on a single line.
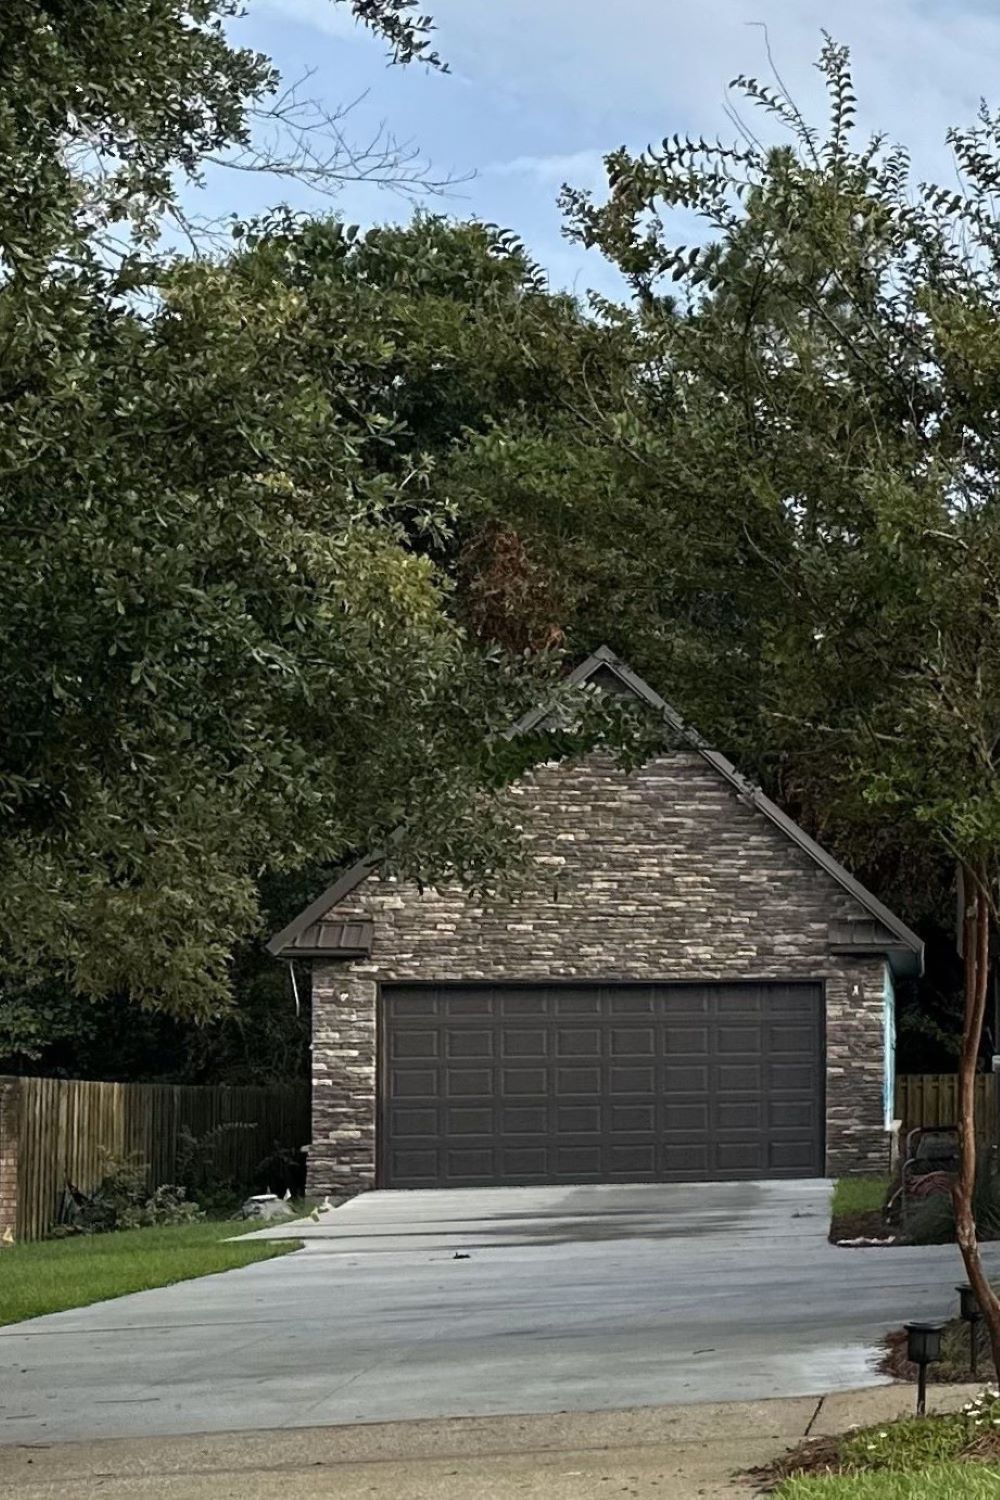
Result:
{"points": [[661, 873]]}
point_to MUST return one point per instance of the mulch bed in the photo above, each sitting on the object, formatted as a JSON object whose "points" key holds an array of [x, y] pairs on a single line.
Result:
{"points": [[814, 1456], [862, 1226]]}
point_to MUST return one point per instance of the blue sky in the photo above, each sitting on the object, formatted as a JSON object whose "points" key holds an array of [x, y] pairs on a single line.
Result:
{"points": [[541, 89]]}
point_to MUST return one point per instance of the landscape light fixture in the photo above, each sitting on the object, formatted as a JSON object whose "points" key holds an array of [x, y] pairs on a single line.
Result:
{"points": [[971, 1313], [923, 1348]]}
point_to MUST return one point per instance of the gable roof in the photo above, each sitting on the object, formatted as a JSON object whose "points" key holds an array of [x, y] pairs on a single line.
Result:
{"points": [[297, 939]]}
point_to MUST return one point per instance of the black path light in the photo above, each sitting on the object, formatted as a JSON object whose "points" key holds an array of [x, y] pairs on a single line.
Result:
{"points": [[971, 1313], [923, 1348]]}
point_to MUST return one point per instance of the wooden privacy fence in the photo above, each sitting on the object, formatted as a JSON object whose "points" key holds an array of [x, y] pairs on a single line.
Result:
{"points": [[932, 1099], [53, 1131]]}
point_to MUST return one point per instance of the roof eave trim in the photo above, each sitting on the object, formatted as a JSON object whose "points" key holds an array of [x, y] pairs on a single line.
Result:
{"points": [[347, 955]]}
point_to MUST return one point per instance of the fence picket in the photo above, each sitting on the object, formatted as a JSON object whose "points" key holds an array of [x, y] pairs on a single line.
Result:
{"points": [[66, 1122], [932, 1099]]}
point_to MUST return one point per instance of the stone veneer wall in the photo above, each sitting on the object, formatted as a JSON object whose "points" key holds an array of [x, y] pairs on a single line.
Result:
{"points": [[662, 873]]}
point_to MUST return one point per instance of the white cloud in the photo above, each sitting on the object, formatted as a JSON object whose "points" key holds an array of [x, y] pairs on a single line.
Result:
{"points": [[551, 86], [578, 167]]}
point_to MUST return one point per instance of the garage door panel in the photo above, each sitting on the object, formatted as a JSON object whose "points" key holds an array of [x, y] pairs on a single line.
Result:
{"points": [[733, 1006], [633, 1041], [740, 1157], [685, 1078], [530, 1119], [634, 1162], [412, 1124], [734, 1116], [524, 1081], [469, 1042], [578, 1119], [632, 1080], [788, 1039], [791, 1114], [739, 1078], [525, 1164], [418, 1167], [461, 1082], [515, 1003], [685, 1041], [626, 1119], [576, 1004], [465, 1007], [463, 1121], [685, 1161], [691, 1117], [578, 1041], [791, 1156], [408, 1083], [788, 1077], [469, 1164], [632, 1002], [498, 1084], [745, 1041], [521, 1041], [578, 1161], [410, 1042], [578, 1080]]}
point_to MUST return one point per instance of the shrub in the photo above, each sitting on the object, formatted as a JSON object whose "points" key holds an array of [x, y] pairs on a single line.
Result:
{"points": [[122, 1200], [931, 1221]]}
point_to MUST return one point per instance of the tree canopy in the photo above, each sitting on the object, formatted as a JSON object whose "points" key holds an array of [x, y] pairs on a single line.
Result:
{"points": [[222, 653]]}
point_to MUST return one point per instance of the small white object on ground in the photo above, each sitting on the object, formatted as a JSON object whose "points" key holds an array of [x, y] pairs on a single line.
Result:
{"points": [[265, 1206]]}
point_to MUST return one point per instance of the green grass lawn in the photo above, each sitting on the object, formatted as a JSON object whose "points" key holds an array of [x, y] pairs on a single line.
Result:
{"points": [[933, 1458], [53, 1275], [858, 1195], [941, 1482]]}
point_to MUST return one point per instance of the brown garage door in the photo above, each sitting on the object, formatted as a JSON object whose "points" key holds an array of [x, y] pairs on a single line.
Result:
{"points": [[489, 1084]]}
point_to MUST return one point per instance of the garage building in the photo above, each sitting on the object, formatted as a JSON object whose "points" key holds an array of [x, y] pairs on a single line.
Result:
{"points": [[688, 988]]}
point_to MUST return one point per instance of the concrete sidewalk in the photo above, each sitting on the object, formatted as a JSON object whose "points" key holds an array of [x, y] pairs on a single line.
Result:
{"points": [[652, 1453]]}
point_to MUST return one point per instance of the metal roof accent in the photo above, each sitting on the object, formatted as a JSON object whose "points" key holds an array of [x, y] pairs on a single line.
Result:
{"points": [[288, 942], [332, 939], [906, 951]]}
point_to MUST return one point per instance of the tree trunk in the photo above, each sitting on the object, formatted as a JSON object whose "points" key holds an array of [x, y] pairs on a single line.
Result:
{"points": [[977, 971]]}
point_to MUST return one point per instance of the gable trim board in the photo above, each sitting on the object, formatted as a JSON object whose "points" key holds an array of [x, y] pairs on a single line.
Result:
{"points": [[689, 921]]}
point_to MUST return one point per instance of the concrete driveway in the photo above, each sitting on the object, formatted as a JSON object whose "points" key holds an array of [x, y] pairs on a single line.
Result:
{"points": [[518, 1300]]}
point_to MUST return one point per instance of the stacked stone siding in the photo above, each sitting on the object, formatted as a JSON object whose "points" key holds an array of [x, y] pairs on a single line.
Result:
{"points": [[661, 873]]}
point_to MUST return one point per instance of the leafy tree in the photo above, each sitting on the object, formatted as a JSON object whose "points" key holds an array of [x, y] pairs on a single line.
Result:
{"points": [[108, 106], [220, 652], [830, 462]]}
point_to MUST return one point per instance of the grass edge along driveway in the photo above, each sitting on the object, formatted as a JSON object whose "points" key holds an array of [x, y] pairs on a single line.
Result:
{"points": [[938, 1457], [939, 1482], [53, 1275]]}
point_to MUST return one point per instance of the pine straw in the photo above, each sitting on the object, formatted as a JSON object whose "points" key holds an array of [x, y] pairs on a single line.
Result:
{"points": [[815, 1456]]}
